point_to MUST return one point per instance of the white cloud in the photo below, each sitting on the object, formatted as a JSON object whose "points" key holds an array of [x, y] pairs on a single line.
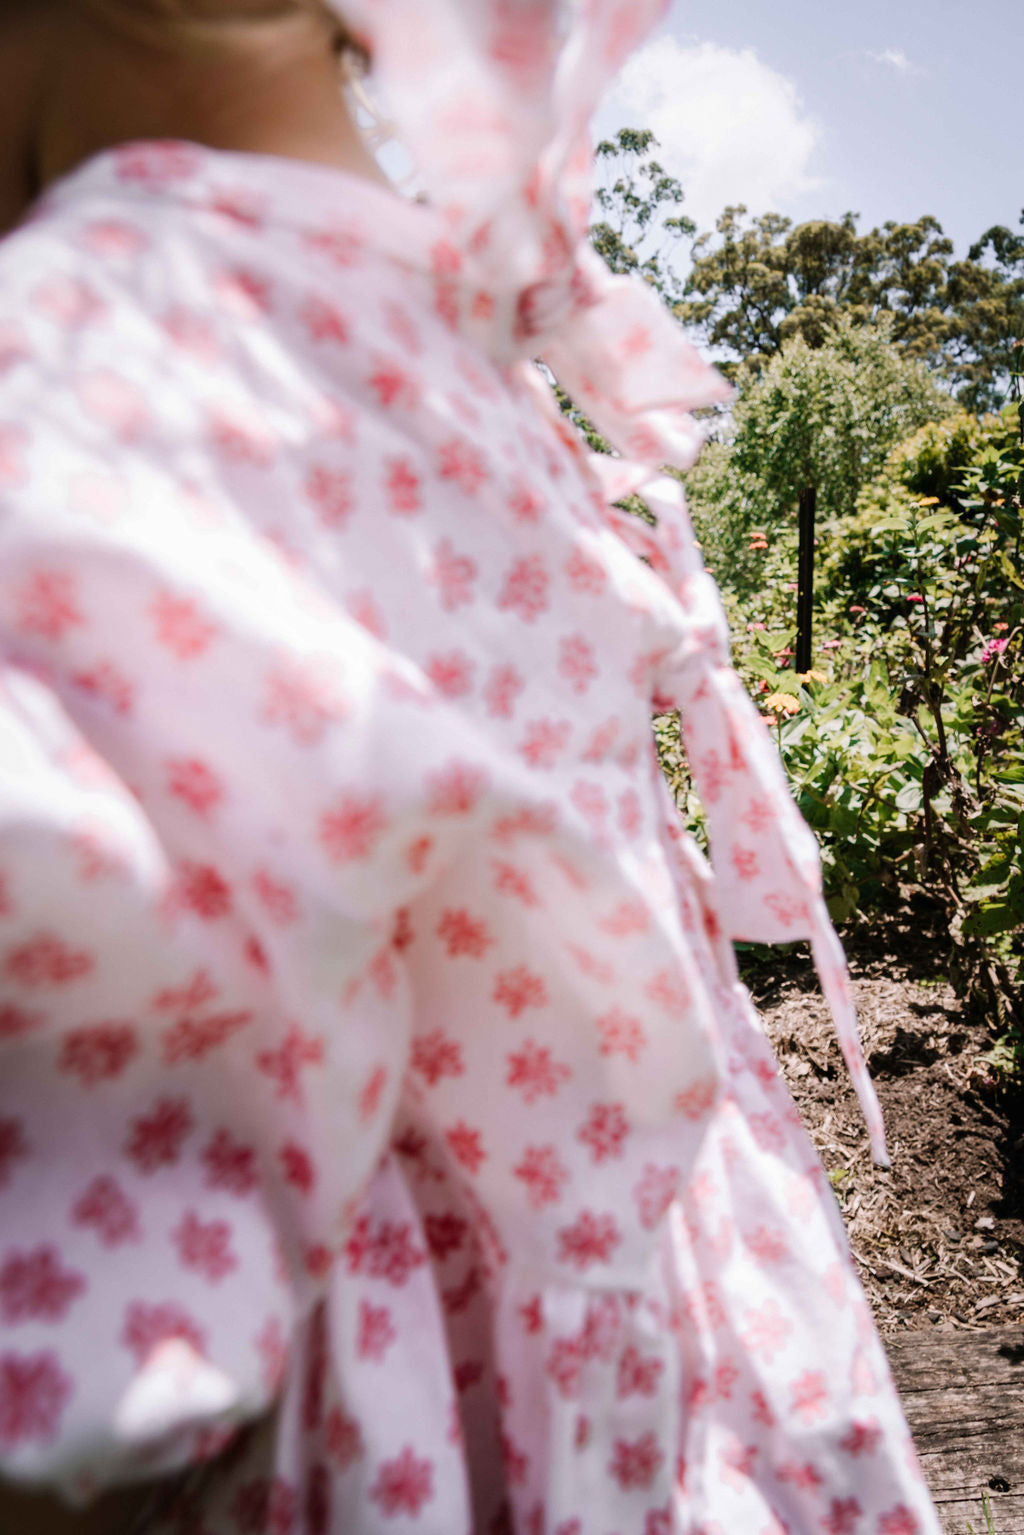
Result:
{"points": [[896, 59], [730, 127]]}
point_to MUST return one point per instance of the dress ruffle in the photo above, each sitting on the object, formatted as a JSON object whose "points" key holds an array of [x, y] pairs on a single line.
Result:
{"points": [[511, 178]]}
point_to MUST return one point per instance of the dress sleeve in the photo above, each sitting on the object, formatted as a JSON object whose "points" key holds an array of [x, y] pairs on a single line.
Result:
{"points": [[216, 792]]}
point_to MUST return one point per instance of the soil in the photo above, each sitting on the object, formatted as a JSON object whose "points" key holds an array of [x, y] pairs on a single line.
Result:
{"points": [[939, 1237]]}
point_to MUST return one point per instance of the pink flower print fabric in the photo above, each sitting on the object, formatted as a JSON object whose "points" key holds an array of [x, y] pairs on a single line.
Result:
{"points": [[381, 1122]]}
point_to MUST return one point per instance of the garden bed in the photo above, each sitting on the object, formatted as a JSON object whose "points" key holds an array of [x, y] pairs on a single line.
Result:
{"points": [[938, 1238]]}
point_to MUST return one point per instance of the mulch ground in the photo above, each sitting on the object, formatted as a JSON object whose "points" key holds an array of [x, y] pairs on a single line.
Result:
{"points": [[939, 1238]]}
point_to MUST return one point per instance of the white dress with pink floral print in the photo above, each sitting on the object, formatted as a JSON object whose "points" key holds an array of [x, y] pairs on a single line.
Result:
{"points": [[382, 1122]]}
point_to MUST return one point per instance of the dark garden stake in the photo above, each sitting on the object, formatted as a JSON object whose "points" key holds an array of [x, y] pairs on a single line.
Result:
{"points": [[805, 579]]}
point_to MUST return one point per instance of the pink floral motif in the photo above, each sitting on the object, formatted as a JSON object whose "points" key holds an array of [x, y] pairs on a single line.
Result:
{"points": [[298, 1167], [576, 662], [654, 1193], [344, 1439], [466, 1147], [403, 488], [350, 832], [205, 1246], [46, 960], [809, 1396], [843, 1517], [98, 1052], [519, 988], [511, 880], [34, 1392], [456, 789], [157, 1138], [525, 503], [191, 1039], [766, 1330], [605, 1131], [435, 1056], [669, 990], [35, 1287], [375, 1333], [534, 1073], [195, 783], [585, 573], [861, 1439], [463, 464], [501, 690], [107, 684], [636, 1462], [104, 1206], [621, 1034], [638, 1374], [544, 742], [454, 575], [278, 899], [542, 1172], [383, 1250], [147, 1325], [284, 1064], [203, 889], [16, 1022], [525, 590], [446, 1234], [180, 627], [231, 1165], [331, 492], [304, 697], [47, 605], [590, 1239], [404, 1485], [325, 322], [451, 673], [463, 934], [899, 1521]]}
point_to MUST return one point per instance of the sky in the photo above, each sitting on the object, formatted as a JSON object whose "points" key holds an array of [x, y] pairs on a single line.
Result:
{"points": [[888, 108]]}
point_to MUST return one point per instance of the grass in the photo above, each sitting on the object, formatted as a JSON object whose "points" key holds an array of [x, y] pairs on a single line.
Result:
{"points": [[990, 1525]]}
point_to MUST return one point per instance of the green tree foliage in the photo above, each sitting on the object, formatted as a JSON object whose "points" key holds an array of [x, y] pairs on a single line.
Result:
{"points": [[824, 416], [904, 744], [757, 282], [637, 201]]}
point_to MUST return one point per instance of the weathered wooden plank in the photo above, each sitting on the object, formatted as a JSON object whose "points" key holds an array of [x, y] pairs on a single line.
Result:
{"points": [[963, 1394]]}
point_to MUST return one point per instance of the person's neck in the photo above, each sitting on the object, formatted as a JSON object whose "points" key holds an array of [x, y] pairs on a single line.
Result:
{"points": [[272, 88]]}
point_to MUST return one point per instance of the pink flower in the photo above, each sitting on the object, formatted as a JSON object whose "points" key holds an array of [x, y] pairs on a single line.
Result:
{"points": [[157, 1137], [435, 1055], [517, 989], [106, 1208], [145, 1326], [605, 1131], [543, 1174], [34, 1287], [635, 1463], [404, 1484], [534, 1073], [992, 649], [34, 1391], [205, 1246], [591, 1239]]}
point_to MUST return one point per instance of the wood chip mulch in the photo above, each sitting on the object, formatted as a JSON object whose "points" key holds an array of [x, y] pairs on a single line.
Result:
{"points": [[939, 1237]]}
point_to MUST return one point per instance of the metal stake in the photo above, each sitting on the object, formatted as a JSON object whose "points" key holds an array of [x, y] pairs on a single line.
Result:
{"points": [[805, 579]]}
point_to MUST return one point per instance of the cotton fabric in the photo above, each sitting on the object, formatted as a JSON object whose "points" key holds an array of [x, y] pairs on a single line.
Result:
{"points": [[380, 1110]]}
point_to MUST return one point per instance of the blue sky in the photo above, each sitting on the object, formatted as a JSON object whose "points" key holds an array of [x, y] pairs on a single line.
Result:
{"points": [[891, 108]]}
